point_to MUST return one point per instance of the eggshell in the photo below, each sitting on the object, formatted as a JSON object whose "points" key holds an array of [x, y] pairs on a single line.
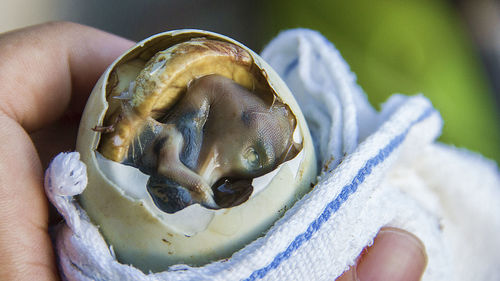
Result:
{"points": [[142, 235]]}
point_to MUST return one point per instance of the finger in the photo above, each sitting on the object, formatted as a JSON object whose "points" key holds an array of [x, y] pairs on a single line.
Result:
{"points": [[49, 68], [395, 255], [24, 240]]}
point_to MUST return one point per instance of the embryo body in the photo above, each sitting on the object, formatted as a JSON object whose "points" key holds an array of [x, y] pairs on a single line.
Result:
{"points": [[211, 144]]}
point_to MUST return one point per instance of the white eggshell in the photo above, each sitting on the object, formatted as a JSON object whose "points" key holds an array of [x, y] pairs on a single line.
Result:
{"points": [[142, 235]]}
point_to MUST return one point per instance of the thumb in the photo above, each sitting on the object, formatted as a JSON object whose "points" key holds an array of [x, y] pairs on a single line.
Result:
{"points": [[395, 255]]}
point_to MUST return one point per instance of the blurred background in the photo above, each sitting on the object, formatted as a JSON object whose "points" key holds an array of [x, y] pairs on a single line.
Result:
{"points": [[447, 49]]}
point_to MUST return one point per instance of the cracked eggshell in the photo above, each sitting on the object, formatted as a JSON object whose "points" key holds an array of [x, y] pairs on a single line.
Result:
{"points": [[142, 235]]}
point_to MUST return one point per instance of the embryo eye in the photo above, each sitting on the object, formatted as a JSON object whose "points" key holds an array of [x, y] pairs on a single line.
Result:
{"points": [[252, 159]]}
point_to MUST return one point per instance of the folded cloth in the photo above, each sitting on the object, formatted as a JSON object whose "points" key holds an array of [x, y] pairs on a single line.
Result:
{"points": [[379, 169]]}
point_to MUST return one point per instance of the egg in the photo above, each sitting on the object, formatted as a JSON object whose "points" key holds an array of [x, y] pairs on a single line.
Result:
{"points": [[194, 147]]}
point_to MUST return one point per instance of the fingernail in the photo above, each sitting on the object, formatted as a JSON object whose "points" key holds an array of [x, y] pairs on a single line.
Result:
{"points": [[395, 255]]}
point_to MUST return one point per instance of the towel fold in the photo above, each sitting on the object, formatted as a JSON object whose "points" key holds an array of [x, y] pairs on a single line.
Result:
{"points": [[379, 168]]}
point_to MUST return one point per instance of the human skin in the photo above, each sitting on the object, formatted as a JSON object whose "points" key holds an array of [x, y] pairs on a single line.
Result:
{"points": [[47, 72]]}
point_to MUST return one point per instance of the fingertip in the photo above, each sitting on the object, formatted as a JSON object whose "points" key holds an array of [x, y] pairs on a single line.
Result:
{"points": [[395, 255]]}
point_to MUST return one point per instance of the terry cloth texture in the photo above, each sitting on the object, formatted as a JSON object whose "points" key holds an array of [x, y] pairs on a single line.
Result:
{"points": [[380, 169]]}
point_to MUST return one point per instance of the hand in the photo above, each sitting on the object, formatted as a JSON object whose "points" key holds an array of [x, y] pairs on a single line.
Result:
{"points": [[46, 74]]}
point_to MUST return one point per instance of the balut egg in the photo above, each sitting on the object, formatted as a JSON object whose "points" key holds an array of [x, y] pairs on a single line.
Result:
{"points": [[194, 148]]}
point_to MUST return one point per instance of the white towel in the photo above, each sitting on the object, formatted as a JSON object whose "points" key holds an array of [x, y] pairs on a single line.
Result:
{"points": [[380, 169]]}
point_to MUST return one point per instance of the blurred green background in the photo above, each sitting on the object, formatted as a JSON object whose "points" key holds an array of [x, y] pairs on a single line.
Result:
{"points": [[408, 47], [447, 50]]}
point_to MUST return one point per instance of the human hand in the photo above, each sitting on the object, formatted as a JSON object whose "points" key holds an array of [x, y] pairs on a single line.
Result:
{"points": [[47, 72]]}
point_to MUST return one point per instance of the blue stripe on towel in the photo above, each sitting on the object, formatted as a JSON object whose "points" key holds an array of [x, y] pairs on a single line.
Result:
{"points": [[334, 205], [291, 66]]}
